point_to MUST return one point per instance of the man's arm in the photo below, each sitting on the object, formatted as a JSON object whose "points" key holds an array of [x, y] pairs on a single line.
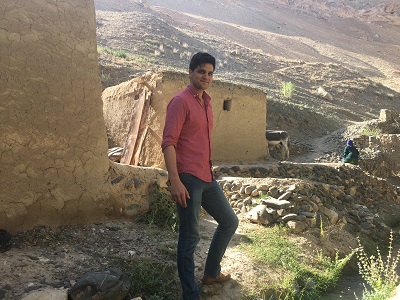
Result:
{"points": [[177, 189]]}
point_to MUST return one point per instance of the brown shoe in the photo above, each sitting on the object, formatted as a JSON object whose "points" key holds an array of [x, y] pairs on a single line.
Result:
{"points": [[221, 278]]}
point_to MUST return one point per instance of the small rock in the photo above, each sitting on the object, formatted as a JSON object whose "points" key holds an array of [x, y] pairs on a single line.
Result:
{"points": [[296, 226], [275, 203]]}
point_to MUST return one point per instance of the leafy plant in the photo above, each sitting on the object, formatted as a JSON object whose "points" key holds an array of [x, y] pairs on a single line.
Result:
{"points": [[380, 274], [288, 89], [162, 212]]}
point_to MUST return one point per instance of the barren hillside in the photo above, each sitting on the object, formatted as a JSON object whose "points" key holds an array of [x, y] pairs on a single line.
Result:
{"points": [[350, 48]]}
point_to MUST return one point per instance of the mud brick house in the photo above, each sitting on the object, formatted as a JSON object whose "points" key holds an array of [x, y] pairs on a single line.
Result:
{"points": [[134, 113]]}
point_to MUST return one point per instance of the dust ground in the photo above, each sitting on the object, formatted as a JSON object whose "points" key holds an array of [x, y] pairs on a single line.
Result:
{"points": [[58, 257]]}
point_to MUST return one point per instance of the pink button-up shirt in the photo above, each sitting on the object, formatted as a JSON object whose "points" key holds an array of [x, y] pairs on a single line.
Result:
{"points": [[188, 128]]}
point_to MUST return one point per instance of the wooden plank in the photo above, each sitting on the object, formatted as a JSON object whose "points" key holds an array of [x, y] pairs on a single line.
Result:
{"points": [[139, 145], [142, 131], [133, 131]]}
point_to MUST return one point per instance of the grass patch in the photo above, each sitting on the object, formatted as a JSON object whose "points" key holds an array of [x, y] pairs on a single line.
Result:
{"points": [[300, 277], [142, 59], [153, 280], [120, 53], [371, 131], [117, 53]]}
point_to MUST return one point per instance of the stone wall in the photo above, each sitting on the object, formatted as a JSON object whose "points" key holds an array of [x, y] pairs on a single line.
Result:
{"points": [[305, 195], [239, 117], [380, 155], [53, 144]]}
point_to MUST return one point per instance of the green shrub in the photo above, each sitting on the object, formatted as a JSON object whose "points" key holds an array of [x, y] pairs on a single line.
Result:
{"points": [[162, 211], [288, 89]]}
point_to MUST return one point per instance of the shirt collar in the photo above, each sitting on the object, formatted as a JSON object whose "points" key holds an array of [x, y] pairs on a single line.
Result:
{"points": [[193, 91]]}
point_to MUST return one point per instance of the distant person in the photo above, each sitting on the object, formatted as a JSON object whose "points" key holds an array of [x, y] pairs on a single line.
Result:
{"points": [[350, 153], [187, 149]]}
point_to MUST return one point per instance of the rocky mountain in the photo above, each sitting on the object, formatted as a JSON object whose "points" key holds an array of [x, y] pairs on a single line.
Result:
{"points": [[349, 48]]}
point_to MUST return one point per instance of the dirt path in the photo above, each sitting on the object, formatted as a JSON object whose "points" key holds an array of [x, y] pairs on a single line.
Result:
{"points": [[328, 146], [234, 262], [54, 258]]}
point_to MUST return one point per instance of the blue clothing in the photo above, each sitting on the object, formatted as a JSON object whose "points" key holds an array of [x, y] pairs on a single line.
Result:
{"points": [[350, 154], [208, 195]]}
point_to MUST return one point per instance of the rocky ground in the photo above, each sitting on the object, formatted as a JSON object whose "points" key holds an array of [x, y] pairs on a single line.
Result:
{"points": [[348, 47], [53, 259]]}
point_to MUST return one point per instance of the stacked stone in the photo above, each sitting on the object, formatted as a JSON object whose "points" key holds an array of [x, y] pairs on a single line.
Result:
{"points": [[326, 195], [366, 187], [379, 154]]}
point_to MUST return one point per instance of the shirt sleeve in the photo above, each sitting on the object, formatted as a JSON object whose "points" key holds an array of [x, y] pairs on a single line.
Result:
{"points": [[174, 120]]}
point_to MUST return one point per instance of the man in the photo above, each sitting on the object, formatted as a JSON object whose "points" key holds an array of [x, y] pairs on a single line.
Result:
{"points": [[187, 152]]}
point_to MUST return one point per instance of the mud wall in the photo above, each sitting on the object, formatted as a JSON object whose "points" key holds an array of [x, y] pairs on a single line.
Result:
{"points": [[53, 142], [239, 117]]}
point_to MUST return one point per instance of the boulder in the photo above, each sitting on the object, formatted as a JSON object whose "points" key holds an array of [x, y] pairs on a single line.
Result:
{"points": [[259, 214]]}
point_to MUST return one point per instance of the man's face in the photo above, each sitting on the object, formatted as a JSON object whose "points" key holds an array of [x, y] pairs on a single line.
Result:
{"points": [[202, 76]]}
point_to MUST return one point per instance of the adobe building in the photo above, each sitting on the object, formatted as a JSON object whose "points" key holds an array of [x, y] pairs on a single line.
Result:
{"points": [[54, 167], [134, 112]]}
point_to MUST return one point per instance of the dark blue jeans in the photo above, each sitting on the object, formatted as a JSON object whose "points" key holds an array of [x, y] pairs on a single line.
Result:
{"points": [[209, 196]]}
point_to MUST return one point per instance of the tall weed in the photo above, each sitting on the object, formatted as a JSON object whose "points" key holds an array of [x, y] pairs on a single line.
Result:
{"points": [[379, 273]]}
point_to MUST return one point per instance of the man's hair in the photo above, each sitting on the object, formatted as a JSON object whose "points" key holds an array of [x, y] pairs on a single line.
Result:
{"points": [[201, 58]]}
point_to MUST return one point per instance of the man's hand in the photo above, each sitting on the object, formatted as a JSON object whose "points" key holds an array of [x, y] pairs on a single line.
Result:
{"points": [[177, 189], [179, 192]]}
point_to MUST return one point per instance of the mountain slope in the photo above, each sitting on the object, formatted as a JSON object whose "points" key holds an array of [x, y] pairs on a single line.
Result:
{"points": [[351, 51]]}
